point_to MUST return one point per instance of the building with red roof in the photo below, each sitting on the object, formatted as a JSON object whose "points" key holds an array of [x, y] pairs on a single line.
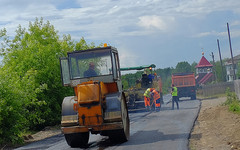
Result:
{"points": [[204, 71]]}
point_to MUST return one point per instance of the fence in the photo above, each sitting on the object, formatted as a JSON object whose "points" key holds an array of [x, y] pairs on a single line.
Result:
{"points": [[237, 88], [218, 88]]}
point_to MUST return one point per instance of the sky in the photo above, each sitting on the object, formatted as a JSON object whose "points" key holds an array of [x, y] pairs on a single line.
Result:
{"points": [[160, 32]]}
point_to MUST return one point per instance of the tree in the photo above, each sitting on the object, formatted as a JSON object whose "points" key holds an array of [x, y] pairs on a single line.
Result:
{"points": [[193, 65], [33, 56], [183, 67], [166, 76], [130, 80], [12, 120], [31, 69]]}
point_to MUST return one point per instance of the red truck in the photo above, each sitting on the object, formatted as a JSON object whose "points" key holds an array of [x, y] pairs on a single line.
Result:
{"points": [[185, 83]]}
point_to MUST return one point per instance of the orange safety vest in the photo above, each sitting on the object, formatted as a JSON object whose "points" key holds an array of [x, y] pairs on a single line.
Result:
{"points": [[156, 95]]}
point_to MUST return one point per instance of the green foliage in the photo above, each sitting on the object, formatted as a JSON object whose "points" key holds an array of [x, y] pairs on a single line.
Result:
{"points": [[193, 65], [125, 83], [232, 102], [183, 67], [220, 71], [82, 45], [129, 80], [231, 97], [234, 107], [238, 71], [167, 85], [31, 91], [166, 75], [12, 119]]}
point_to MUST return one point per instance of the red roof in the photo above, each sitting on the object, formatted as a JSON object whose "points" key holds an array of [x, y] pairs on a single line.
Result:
{"points": [[203, 63], [205, 78]]}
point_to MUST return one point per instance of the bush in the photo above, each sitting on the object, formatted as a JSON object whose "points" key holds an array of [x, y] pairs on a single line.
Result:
{"points": [[12, 120], [234, 107], [232, 101], [31, 92]]}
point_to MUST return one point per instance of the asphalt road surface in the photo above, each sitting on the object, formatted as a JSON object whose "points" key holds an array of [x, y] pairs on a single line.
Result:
{"points": [[164, 130]]}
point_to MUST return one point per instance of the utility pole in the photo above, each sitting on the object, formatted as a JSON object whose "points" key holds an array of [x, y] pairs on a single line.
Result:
{"points": [[214, 67], [223, 78], [234, 74]]}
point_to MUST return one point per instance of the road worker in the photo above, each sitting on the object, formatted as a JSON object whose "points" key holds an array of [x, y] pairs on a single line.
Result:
{"points": [[91, 71], [174, 96], [156, 98], [147, 99]]}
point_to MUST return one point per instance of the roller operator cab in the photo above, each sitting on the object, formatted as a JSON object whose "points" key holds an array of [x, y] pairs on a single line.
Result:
{"points": [[99, 105]]}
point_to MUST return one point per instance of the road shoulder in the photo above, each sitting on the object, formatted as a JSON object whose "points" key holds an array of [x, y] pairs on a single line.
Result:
{"points": [[215, 127]]}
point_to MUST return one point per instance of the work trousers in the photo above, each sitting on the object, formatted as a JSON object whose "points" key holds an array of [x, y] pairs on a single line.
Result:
{"points": [[175, 99], [146, 101], [157, 104]]}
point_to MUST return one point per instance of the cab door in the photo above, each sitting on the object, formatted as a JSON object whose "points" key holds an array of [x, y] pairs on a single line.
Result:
{"points": [[65, 71], [116, 70]]}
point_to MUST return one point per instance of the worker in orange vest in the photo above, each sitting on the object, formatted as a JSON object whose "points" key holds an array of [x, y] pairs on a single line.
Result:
{"points": [[147, 99], [156, 98]]}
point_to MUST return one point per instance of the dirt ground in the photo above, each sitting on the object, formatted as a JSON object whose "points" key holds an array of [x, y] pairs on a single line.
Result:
{"points": [[45, 133], [215, 128]]}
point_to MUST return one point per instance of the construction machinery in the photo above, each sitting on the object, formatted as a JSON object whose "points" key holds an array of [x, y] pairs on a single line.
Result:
{"points": [[134, 95], [99, 105]]}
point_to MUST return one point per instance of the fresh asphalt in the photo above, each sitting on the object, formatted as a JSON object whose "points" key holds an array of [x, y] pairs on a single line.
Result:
{"points": [[164, 130]]}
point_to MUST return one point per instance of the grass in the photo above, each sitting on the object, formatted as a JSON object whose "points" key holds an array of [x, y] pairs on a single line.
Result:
{"points": [[232, 102], [191, 147]]}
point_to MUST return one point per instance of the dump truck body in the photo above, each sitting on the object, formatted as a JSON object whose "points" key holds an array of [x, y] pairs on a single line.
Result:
{"points": [[99, 104], [185, 83]]}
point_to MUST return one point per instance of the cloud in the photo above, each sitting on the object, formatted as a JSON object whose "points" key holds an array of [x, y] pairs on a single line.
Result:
{"points": [[203, 7], [235, 23], [205, 34], [149, 23], [155, 22], [234, 34], [128, 59], [109, 18]]}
